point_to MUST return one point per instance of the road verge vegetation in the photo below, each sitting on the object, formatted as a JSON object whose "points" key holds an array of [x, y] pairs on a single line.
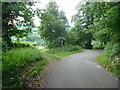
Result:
{"points": [[60, 52], [111, 64], [13, 63]]}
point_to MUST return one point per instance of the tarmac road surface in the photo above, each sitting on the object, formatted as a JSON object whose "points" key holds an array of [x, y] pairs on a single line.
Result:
{"points": [[80, 70]]}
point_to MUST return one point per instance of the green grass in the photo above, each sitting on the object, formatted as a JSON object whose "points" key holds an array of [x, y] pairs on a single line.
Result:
{"points": [[53, 57], [63, 54], [14, 61], [69, 48], [103, 59], [56, 53], [111, 65], [98, 47], [38, 67]]}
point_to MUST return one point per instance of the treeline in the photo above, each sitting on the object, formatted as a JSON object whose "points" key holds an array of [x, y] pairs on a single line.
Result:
{"points": [[96, 26], [55, 29], [94, 22]]}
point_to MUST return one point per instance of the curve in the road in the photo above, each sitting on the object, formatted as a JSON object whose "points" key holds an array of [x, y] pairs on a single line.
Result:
{"points": [[80, 70]]}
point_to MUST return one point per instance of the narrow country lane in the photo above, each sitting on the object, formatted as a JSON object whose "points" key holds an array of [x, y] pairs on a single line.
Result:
{"points": [[80, 70]]}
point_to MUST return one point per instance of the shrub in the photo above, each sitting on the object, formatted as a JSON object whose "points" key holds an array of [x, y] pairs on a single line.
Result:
{"points": [[67, 48], [98, 47], [13, 63], [112, 49], [97, 44], [22, 44], [4, 45], [74, 48]]}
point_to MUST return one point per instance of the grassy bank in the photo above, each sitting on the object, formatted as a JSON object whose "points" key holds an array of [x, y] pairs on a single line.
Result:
{"points": [[53, 57], [63, 54], [111, 65], [60, 52], [14, 62]]}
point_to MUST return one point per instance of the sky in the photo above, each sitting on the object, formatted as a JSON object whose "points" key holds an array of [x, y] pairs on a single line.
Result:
{"points": [[68, 6]]}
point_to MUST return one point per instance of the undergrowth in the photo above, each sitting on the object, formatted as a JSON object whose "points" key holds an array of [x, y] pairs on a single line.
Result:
{"points": [[111, 64], [68, 48], [14, 61]]}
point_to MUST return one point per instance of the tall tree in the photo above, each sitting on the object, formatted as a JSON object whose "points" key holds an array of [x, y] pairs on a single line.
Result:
{"points": [[63, 18], [52, 8], [106, 25], [82, 21], [53, 25]]}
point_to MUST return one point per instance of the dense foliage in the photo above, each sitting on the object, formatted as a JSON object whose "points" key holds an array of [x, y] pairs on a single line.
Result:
{"points": [[67, 48], [106, 26], [17, 55], [14, 14], [82, 21], [53, 25], [111, 65], [13, 63]]}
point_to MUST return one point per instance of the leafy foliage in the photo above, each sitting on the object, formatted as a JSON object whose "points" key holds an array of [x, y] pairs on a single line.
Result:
{"points": [[112, 49], [13, 14], [98, 44], [82, 21], [53, 25], [13, 63], [106, 26], [68, 48], [112, 66], [21, 44]]}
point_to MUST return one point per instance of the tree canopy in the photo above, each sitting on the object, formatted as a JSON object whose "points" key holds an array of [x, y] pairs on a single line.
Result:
{"points": [[53, 25], [101, 20], [14, 14]]}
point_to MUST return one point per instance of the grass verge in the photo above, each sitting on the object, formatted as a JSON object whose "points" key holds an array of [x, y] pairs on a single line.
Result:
{"points": [[112, 66], [14, 62], [53, 57], [58, 53], [38, 67], [63, 54]]}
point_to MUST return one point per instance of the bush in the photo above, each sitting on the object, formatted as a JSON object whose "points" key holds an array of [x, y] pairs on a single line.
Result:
{"points": [[74, 48], [67, 48], [97, 44], [4, 45], [22, 44], [98, 47], [13, 63], [112, 49]]}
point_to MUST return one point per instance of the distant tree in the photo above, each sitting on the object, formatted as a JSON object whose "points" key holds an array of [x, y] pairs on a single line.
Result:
{"points": [[53, 25], [63, 18], [52, 8], [82, 21]]}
